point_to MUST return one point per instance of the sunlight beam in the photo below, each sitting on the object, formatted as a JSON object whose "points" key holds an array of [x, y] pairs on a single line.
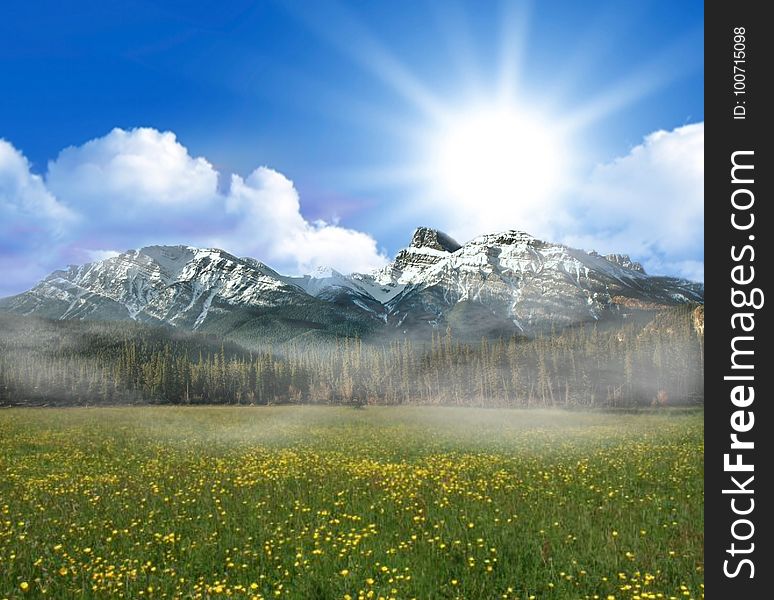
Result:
{"points": [[649, 78], [514, 33], [354, 41]]}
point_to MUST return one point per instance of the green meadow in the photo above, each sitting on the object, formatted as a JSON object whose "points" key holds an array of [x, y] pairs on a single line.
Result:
{"points": [[344, 503]]}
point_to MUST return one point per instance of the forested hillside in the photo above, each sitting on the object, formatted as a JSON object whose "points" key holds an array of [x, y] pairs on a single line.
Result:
{"points": [[45, 362]]}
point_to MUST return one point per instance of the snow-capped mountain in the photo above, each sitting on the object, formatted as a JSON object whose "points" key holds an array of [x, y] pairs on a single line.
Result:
{"points": [[192, 288], [517, 278], [173, 284], [505, 281]]}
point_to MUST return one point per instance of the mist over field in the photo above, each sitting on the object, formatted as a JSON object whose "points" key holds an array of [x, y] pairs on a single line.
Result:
{"points": [[653, 361]]}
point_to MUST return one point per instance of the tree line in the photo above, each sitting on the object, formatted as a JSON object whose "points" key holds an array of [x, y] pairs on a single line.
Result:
{"points": [[591, 365]]}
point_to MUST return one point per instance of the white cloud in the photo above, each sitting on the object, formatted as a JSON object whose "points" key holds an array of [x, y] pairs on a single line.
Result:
{"points": [[142, 166], [32, 222], [140, 187], [270, 209], [649, 203], [23, 193]]}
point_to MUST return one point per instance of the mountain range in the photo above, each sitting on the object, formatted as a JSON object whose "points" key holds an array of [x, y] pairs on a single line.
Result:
{"points": [[495, 284]]}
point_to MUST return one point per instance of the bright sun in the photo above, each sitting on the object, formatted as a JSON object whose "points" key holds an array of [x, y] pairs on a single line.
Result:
{"points": [[498, 155]]}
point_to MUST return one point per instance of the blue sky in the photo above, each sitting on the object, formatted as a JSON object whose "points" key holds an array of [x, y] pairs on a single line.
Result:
{"points": [[288, 130]]}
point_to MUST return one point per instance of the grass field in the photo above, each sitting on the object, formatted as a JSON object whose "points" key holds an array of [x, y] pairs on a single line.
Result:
{"points": [[317, 503]]}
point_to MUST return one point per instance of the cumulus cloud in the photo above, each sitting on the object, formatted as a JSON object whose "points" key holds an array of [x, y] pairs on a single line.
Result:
{"points": [[649, 203], [140, 187], [143, 167], [134, 188], [32, 221], [271, 204], [23, 193]]}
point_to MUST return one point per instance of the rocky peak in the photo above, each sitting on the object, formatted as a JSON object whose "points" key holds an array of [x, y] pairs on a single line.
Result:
{"points": [[425, 237], [623, 260]]}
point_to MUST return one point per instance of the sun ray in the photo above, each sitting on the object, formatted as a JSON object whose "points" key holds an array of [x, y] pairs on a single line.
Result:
{"points": [[600, 37], [644, 81], [514, 34], [453, 24], [353, 40]]}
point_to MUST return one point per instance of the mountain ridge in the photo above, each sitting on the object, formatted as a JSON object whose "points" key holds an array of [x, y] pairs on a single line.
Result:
{"points": [[509, 281]]}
